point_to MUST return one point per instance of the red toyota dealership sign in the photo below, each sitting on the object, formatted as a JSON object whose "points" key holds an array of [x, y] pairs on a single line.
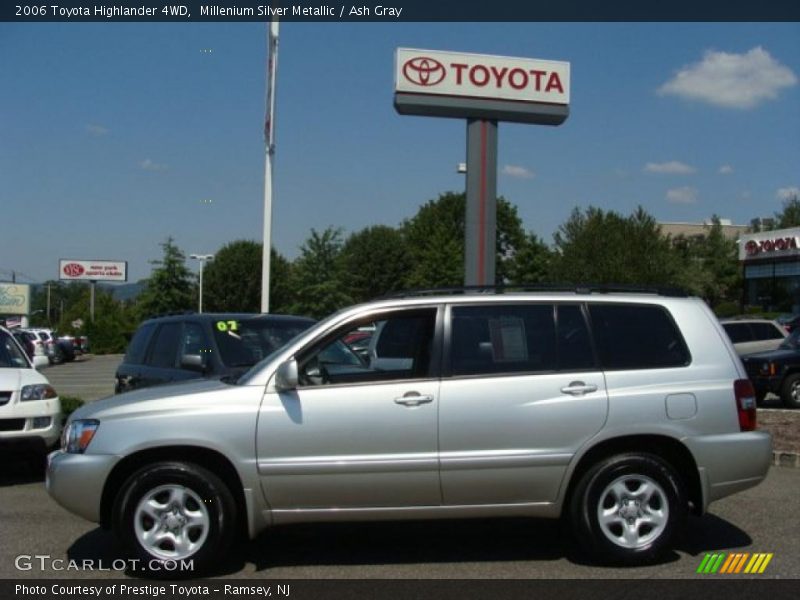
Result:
{"points": [[783, 242], [93, 270], [458, 74]]}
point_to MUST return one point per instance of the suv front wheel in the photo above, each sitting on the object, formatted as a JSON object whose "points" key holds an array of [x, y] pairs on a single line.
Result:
{"points": [[628, 508], [175, 511]]}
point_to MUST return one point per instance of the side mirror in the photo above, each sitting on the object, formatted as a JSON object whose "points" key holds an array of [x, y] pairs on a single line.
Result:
{"points": [[193, 362], [40, 361], [286, 376]]}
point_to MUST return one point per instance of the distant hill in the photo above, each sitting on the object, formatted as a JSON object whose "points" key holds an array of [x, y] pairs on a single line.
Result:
{"points": [[125, 291]]}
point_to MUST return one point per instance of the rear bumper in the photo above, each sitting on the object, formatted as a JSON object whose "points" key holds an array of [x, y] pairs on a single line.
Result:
{"points": [[730, 463]]}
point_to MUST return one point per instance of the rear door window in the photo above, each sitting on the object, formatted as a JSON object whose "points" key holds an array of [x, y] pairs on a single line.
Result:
{"points": [[738, 332], [637, 336], [164, 351]]}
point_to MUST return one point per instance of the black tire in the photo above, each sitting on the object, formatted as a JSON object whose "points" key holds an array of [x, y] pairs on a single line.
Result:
{"points": [[199, 485], [648, 542], [58, 356], [790, 391]]}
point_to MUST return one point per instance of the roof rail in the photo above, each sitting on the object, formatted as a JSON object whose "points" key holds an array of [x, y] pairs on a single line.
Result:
{"points": [[539, 287]]}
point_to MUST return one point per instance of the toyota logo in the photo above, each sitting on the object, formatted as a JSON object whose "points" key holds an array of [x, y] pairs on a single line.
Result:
{"points": [[424, 71], [751, 248]]}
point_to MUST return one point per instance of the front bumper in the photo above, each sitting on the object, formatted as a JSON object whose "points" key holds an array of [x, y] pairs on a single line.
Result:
{"points": [[76, 481], [20, 426], [730, 463]]}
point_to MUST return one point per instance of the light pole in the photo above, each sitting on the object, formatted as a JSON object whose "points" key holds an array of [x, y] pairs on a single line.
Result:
{"points": [[202, 258]]}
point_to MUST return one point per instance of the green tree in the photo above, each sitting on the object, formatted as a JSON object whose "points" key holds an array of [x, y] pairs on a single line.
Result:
{"points": [[317, 275], [170, 286], [281, 288], [232, 281], [594, 246], [531, 262], [435, 241], [790, 215], [374, 262]]}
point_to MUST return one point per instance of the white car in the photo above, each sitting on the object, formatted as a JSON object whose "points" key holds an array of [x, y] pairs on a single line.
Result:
{"points": [[30, 410]]}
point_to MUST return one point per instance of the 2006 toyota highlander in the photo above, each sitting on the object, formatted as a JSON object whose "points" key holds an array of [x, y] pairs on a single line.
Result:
{"points": [[620, 411]]}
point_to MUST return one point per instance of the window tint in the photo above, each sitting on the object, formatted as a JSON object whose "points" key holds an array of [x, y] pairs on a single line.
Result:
{"points": [[11, 356], [195, 340], [138, 345], [494, 339], [246, 342], [738, 332], [766, 331], [574, 343], [165, 347], [400, 348], [637, 337]]}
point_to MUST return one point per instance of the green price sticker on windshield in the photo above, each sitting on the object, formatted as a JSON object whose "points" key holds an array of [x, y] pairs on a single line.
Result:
{"points": [[227, 325]]}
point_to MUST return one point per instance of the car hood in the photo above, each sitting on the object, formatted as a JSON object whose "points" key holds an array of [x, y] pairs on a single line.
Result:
{"points": [[162, 398], [12, 380], [779, 354]]}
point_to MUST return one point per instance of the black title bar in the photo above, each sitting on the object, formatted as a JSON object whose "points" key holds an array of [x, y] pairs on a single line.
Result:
{"points": [[399, 10]]}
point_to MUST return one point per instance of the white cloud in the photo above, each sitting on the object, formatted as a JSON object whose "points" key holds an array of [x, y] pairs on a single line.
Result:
{"points": [[788, 192], [148, 165], [682, 195], [672, 167], [96, 130], [731, 80], [725, 170], [520, 172]]}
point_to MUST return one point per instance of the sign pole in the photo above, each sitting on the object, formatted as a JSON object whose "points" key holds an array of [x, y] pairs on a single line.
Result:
{"points": [[269, 142], [481, 216], [91, 299]]}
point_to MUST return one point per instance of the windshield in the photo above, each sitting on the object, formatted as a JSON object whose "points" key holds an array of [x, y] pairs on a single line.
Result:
{"points": [[243, 343], [11, 357]]}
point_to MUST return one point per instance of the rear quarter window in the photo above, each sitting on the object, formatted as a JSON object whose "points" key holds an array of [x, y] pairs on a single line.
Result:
{"points": [[636, 336]]}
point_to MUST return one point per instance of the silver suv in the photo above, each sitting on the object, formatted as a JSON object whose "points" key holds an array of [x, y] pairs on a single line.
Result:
{"points": [[619, 411]]}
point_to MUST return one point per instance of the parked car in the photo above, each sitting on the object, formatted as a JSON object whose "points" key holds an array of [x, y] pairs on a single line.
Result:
{"points": [[621, 412], [777, 371], [78, 344], [30, 410], [211, 345], [754, 335], [25, 340], [57, 350]]}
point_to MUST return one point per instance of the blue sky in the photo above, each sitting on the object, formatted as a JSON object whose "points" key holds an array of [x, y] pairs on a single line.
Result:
{"points": [[114, 136]]}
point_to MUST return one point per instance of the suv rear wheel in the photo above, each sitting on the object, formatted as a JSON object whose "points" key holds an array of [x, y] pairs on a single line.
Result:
{"points": [[790, 391], [628, 508], [175, 511]]}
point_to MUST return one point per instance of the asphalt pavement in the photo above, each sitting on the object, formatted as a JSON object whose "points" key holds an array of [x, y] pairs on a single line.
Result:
{"points": [[88, 377]]}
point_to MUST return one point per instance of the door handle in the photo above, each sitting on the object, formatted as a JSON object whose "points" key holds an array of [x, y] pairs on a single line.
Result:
{"points": [[578, 388], [413, 399]]}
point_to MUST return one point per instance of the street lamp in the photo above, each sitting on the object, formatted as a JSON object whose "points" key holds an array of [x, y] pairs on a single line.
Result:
{"points": [[202, 258]]}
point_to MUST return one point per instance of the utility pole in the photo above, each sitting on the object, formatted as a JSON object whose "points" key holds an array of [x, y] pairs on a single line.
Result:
{"points": [[269, 143]]}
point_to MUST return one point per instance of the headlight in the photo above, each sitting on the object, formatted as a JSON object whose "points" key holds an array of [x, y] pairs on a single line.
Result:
{"points": [[77, 435], [40, 391]]}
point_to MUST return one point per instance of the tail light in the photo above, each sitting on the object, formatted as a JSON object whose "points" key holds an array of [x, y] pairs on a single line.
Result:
{"points": [[745, 404]]}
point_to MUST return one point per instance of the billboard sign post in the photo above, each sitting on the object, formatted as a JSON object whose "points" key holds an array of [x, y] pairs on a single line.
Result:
{"points": [[483, 90]]}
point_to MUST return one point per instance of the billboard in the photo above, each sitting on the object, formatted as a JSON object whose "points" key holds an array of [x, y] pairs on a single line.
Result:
{"points": [[460, 84], [93, 270], [15, 299]]}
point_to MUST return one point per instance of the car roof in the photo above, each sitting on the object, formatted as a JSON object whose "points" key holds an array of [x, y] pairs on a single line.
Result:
{"points": [[227, 317]]}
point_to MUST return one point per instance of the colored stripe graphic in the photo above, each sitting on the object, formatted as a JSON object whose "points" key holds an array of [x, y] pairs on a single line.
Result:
{"points": [[734, 563]]}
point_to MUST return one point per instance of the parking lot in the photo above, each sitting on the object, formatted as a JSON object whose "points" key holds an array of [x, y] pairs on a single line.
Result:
{"points": [[758, 520]]}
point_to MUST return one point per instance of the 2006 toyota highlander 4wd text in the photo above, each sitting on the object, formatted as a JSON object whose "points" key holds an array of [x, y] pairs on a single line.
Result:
{"points": [[621, 412]]}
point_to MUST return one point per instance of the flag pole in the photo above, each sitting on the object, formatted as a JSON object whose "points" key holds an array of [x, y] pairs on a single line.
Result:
{"points": [[269, 153]]}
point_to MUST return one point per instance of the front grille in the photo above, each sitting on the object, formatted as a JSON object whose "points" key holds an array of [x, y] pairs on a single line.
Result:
{"points": [[4, 398], [12, 424]]}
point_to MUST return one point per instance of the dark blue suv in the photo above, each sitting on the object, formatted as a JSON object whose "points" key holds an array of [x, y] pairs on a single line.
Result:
{"points": [[213, 345]]}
